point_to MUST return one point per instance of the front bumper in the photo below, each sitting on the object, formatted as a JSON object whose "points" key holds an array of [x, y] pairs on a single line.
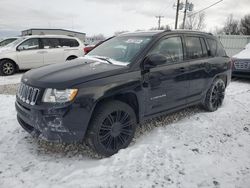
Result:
{"points": [[242, 74], [67, 123]]}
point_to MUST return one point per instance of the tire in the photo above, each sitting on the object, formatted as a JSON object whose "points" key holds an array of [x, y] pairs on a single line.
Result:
{"points": [[112, 128], [215, 95], [7, 67]]}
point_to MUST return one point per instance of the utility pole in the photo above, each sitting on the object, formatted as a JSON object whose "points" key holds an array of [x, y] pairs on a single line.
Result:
{"points": [[177, 14], [159, 21], [185, 13]]}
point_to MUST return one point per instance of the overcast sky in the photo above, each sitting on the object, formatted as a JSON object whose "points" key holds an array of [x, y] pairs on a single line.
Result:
{"points": [[106, 16]]}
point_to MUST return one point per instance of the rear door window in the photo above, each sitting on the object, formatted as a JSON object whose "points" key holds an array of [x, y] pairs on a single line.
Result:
{"points": [[69, 42], [194, 48], [49, 43], [204, 47]]}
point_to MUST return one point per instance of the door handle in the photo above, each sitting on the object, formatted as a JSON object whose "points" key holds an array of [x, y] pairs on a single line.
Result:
{"points": [[182, 69], [42, 52]]}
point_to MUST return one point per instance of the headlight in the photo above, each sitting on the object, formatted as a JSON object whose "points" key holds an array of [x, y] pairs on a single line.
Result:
{"points": [[59, 96]]}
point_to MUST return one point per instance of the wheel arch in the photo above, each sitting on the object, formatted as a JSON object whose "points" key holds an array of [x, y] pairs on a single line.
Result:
{"points": [[129, 98], [70, 57]]}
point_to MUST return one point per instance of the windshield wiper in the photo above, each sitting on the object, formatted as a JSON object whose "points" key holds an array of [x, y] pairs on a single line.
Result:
{"points": [[103, 58]]}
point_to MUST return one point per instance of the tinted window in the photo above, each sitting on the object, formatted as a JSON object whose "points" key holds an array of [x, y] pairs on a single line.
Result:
{"points": [[30, 44], [194, 49], [69, 42], [212, 46], [171, 48], [50, 43], [220, 50], [204, 47]]}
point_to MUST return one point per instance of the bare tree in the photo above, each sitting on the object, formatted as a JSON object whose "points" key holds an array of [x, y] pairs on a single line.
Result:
{"points": [[217, 31], [245, 25], [231, 26], [195, 22]]}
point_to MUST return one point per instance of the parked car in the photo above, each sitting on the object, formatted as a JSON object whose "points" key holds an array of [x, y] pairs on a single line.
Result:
{"points": [[38, 50], [241, 63], [7, 41], [90, 47], [101, 97]]}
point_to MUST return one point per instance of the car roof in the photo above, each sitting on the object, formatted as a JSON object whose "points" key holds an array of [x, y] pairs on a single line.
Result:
{"points": [[142, 33], [49, 36], [157, 32]]}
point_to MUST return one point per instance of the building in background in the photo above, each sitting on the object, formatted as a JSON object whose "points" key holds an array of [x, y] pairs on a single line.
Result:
{"points": [[76, 34]]}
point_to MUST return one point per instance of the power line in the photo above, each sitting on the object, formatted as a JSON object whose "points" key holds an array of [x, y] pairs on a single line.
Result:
{"points": [[205, 8]]}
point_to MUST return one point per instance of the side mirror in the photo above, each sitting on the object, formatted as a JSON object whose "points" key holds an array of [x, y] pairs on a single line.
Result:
{"points": [[19, 48], [152, 60]]}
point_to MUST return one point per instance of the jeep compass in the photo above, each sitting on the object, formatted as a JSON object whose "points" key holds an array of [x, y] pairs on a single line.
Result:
{"points": [[101, 98]]}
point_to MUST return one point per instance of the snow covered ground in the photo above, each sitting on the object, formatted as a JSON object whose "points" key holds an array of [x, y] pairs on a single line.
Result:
{"points": [[13, 79], [200, 150]]}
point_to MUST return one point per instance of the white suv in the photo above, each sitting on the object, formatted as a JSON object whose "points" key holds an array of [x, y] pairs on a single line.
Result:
{"points": [[38, 50]]}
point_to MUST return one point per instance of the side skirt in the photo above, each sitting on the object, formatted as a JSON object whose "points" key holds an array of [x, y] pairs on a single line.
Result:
{"points": [[170, 111]]}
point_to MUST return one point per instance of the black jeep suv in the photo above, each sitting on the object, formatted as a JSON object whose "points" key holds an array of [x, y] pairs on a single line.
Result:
{"points": [[100, 98]]}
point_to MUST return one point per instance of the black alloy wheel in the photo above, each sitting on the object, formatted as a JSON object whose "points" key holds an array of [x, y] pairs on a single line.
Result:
{"points": [[112, 128], [215, 95]]}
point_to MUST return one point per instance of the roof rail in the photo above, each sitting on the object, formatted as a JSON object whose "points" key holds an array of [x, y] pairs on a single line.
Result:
{"points": [[188, 30]]}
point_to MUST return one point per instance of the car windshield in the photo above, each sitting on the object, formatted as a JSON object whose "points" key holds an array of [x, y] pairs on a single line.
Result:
{"points": [[7, 41], [120, 49], [14, 43]]}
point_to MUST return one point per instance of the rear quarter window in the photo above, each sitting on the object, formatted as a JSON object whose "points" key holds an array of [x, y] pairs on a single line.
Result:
{"points": [[194, 48], [216, 48], [220, 50]]}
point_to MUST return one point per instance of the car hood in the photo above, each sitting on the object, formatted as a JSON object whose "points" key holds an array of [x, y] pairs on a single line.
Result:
{"points": [[244, 54], [6, 49], [71, 73]]}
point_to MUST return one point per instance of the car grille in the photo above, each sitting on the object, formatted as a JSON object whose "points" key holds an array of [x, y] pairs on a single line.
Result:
{"points": [[243, 65], [28, 94]]}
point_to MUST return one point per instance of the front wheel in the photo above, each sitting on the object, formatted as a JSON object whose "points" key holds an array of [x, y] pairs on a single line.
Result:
{"points": [[215, 95], [7, 68], [112, 128]]}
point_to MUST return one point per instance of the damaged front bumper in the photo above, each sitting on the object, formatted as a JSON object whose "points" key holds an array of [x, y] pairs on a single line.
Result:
{"points": [[66, 124]]}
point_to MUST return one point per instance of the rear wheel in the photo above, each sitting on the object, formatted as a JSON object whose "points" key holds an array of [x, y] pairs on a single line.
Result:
{"points": [[7, 67], [112, 128], [215, 95]]}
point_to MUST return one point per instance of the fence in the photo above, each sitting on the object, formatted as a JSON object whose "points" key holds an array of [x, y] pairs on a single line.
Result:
{"points": [[233, 44]]}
